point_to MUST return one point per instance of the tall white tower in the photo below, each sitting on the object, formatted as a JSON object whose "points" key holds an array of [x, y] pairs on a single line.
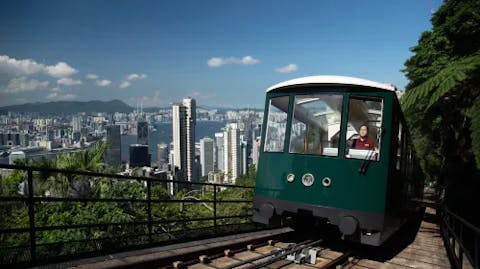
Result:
{"points": [[183, 131], [232, 154]]}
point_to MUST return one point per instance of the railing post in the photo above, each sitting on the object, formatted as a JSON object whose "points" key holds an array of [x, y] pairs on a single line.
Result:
{"points": [[149, 209], [460, 249], [215, 208], [475, 258], [31, 216]]}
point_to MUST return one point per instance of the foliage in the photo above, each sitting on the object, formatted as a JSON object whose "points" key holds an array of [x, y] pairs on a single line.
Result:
{"points": [[442, 100], [174, 216]]}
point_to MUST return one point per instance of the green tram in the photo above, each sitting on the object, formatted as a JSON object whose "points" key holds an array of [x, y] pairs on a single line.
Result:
{"points": [[336, 149]]}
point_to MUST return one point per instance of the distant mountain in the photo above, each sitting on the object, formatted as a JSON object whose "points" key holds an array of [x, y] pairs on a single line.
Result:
{"points": [[69, 107]]}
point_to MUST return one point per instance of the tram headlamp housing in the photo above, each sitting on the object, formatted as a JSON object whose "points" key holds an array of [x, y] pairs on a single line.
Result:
{"points": [[308, 179], [326, 182], [290, 177]]}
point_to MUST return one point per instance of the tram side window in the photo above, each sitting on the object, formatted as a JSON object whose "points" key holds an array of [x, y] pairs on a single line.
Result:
{"points": [[399, 147], [364, 128], [316, 124], [276, 124]]}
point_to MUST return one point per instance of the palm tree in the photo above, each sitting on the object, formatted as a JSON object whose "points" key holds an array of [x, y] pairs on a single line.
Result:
{"points": [[91, 160]]}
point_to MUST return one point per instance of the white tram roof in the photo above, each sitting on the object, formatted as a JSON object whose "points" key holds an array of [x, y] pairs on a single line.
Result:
{"points": [[332, 80]]}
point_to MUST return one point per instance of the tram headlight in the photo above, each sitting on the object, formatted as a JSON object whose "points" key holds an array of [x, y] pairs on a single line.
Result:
{"points": [[308, 179], [290, 177]]}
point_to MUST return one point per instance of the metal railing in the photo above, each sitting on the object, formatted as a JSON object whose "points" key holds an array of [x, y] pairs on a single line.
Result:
{"points": [[461, 239], [141, 231]]}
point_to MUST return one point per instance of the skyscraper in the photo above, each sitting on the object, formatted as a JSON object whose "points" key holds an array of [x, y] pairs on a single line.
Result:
{"points": [[183, 131], [113, 154], [219, 152], [76, 123], [232, 154], [139, 155], [255, 151], [142, 133], [244, 157], [206, 155], [162, 156]]}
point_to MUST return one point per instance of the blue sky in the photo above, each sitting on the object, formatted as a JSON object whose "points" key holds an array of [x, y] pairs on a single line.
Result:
{"points": [[223, 53]]}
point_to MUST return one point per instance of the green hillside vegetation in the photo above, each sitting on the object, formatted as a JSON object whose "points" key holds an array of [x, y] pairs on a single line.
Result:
{"points": [[171, 216], [442, 103]]}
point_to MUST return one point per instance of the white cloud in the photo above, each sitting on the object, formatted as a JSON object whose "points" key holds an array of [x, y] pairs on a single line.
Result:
{"points": [[124, 84], [61, 97], [91, 76], [55, 89], [133, 76], [287, 69], [69, 81], [60, 70], [201, 95], [103, 82], [130, 78], [99, 82], [249, 60], [19, 67], [12, 66], [246, 60], [154, 100], [22, 84]]}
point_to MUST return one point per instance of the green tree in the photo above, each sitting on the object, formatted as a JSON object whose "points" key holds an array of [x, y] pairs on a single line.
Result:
{"points": [[442, 100]]}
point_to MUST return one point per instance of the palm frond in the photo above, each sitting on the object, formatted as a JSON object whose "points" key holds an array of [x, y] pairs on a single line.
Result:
{"points": [[443, 82]]}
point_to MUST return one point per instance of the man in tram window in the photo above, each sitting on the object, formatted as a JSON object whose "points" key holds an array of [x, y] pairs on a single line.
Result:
{"points": [[363, 142]]}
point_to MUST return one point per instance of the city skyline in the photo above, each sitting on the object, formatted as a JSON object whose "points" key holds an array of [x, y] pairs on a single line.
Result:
{"points": [[215, 52]]}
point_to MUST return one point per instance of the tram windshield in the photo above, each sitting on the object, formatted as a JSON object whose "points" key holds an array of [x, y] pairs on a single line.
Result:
{"points": [[364, 128], [277, 124], [316, 124]]}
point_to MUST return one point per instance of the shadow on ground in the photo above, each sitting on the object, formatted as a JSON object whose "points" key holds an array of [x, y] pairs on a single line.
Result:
{"points": [[391, 248]]}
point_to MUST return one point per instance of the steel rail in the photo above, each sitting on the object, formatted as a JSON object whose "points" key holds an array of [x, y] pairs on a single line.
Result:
{"points": [[278, 255]]}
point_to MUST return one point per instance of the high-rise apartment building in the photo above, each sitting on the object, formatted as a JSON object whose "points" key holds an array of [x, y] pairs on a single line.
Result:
{"points": [[162, 156], [255, 151], [219, 152], [232, 152], [183, 131], [113, 155], [243, 157], [77, 123], [142, 133], [206, 155]]}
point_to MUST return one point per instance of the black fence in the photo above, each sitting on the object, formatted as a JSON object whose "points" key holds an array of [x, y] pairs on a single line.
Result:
{"points": [[49, 215], [461, 239]]}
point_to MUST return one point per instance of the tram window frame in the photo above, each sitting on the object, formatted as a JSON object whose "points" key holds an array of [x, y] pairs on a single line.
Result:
{"points": [[404, 164], [340, 99], [378, 141], [280, 148]]}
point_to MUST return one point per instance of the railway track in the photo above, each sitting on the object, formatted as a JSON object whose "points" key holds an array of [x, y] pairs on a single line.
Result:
{"points": [[271, 254], [277, 248]]}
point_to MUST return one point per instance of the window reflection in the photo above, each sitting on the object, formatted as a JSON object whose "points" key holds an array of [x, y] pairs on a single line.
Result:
{"points": [[276, 124], [316, 124]]}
